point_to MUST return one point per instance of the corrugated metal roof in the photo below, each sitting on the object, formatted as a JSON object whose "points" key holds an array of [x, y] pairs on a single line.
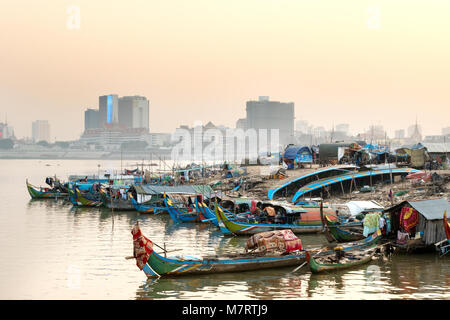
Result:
{"points": [[431, 209], [437, 147]]}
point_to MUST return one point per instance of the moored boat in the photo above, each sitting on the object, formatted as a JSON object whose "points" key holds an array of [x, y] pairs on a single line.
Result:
{"points": [[44, 193], [308, 223], [340, 235], [87, 199], [183, 212], [337, 262], [155, 207], [155, 265]]}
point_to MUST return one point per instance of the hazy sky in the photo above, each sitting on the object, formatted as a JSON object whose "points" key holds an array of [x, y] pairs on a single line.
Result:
{"points": [[360, 62]]}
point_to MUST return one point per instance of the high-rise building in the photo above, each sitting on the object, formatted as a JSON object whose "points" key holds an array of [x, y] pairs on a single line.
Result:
{"points": [[108, 110], [91, 119], [41, 131], [134, 112], [266, 114]]}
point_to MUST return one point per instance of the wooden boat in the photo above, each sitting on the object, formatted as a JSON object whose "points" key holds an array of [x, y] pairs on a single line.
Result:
{"points": [[332, 263], [156, 207], [87, 199], [334, 233], [182, 214], [117, 203], [243, 228], [43, 193], [156, 265]]}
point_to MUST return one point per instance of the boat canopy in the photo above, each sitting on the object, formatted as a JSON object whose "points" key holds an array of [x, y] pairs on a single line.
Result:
{"points": [[184, 189]]}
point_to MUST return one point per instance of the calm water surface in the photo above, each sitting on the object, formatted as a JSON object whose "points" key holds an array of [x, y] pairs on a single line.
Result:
{"points": [[50, 250]]}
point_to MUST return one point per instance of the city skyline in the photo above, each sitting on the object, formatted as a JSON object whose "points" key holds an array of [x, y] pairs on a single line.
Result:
{"points": [[203, 61]]}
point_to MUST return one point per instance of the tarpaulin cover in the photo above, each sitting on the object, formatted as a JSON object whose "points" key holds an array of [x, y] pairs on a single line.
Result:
{"points": [[143, 247], [274, 241], [296, 152]]}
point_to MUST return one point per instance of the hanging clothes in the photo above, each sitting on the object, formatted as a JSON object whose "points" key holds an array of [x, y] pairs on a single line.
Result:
{"points": [[409, 218], [371, 223]]}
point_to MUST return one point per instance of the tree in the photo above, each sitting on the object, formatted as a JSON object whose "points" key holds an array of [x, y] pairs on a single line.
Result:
{"points": [[134, 145], [6, 144]]}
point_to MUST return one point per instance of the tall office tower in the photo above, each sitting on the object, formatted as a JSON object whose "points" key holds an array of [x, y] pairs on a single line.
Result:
{"points": [[91, 119], [134, 112], [266, 114], [41, 131], [108, 110]]}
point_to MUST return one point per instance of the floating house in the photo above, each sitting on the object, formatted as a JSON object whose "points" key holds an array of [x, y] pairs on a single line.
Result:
{"points": [[418, 224]]}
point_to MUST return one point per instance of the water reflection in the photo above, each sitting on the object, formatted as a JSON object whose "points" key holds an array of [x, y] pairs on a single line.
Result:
{"points": [[58, 237]]}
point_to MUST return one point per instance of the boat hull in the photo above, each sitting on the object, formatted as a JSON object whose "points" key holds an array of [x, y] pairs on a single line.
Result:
{"points": [[158, 265], [36, 194], [317, 267]]}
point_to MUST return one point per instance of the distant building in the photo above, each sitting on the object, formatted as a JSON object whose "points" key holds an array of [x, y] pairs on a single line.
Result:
{"points": [[343, 127], [241, 124], [445, 131], [399, 134], [158, 139], [108, 110], [415, 133], [134, 112], [91, 119], [265, 114], [302, 126], [41, 131], [6, 132]]}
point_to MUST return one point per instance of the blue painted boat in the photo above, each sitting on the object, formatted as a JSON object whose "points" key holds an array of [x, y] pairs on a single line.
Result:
{"points": [[345, 177], [305, 179], [181, 214], [155, 208]]}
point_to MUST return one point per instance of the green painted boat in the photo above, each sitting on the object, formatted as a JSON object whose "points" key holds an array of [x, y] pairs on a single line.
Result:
{"points": [[349, 260], [43, 193], [334, 233], [156, 265]]}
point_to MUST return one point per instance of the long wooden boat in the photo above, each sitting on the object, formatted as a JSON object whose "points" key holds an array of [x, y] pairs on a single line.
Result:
{"points": [[179, 214], [43, 193], [155, 208], [243, 228], [156, 265], [340, 235], [330, 263]]}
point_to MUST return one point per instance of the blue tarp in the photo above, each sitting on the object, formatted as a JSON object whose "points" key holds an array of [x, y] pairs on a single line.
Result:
{"points": [[299, 153]]}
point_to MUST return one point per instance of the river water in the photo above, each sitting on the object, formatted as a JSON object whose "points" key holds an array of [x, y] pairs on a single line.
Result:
{"points": [[50, 250]]}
